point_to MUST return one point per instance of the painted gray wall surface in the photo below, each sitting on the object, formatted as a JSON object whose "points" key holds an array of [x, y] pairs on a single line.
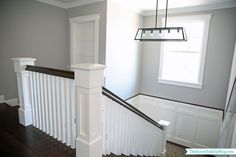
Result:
{"points": [[95, 8], [221, 39], [30, 29], [122, 52]]}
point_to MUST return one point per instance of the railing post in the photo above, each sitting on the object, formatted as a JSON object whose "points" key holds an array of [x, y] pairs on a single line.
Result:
{"points": [[165, 125], [88, 84], [25, 113]]}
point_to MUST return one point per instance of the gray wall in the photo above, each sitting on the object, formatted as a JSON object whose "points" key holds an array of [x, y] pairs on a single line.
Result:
{"points": [[31, 29], [122, 51], [95, 8], [222, 35]]}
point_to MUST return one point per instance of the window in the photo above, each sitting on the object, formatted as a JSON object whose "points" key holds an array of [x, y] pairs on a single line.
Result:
{"points": [[182, 63]]}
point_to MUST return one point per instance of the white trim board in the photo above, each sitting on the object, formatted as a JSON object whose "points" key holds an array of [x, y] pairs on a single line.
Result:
{"points": [[69, 5], [2, 99], [12, 102], [191, 126]]}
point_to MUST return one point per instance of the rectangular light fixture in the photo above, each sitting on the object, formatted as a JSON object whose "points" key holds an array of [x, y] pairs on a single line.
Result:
{"points": [[161, 34]]}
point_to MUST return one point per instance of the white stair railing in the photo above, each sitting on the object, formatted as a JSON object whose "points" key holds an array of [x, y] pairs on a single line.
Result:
{"points": [[69, 107], [128, 131], [53, 106], [48, 101]]}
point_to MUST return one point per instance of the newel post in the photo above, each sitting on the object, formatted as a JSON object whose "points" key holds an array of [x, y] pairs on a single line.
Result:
{"points": [[165, 125], [25, 113], [88, 89]]}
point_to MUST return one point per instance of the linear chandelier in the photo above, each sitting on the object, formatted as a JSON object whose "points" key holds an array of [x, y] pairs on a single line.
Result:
{"points": [[161, 33]]}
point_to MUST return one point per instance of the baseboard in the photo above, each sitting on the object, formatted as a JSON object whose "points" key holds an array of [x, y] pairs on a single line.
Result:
{"points": [[2, 99], [12, 102]]}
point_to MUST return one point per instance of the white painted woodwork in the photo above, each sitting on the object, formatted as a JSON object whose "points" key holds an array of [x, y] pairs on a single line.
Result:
{"points": [[124, 132], [227, 130], [23, 85], [53, 106], [84, 39], [191, 126], [2, 99], [88, 84]]}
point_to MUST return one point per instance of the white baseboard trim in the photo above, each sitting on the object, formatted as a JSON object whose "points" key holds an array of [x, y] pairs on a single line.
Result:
{"points": [[2, 99], [12, 102]]}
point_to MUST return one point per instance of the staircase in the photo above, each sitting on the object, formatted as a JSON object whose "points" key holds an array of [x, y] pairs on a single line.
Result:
{"points": [[74, 108]]}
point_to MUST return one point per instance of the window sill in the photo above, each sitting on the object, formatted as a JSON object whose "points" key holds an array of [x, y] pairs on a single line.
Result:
{"points": [[184, 84]]}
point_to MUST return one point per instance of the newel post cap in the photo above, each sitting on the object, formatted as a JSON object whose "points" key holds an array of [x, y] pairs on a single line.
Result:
{"points": [[21, 62], [164, 123], [88, 75]]}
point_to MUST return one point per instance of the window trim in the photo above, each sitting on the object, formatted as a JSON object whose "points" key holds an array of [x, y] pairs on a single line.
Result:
{"points": [[199, 85]]}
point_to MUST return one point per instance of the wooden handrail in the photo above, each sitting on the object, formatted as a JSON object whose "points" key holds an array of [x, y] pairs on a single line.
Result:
{"points": [[123, 103], [51, 71]]}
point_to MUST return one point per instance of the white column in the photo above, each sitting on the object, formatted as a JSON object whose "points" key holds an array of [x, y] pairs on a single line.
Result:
{"points": [[88, 84], [165, 125], [24, 94]]}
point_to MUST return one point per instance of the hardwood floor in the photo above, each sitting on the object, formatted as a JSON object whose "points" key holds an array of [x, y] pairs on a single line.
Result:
{"points": [[19, 141]]}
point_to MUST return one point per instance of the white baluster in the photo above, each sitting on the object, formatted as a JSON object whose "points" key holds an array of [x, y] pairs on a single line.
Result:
{"points": [[50, 103], [73, 114], [46, 107], [42, 104], [58, 106], [35, 99], [32, 97], [54, 107], [68, 112], [165, 125], [88, 82], [63, 109], [38, 101], [25, 113]]}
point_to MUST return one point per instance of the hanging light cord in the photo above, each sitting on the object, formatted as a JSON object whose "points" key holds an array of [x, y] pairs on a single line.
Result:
{"points": [[166, 13], [156, 14]]}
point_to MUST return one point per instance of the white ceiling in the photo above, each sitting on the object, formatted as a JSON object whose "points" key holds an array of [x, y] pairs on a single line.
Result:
{"points": [[151, 4], [148, 5]]}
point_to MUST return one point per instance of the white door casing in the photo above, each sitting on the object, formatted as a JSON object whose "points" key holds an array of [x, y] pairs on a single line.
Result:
{"points": [[84, 39]]}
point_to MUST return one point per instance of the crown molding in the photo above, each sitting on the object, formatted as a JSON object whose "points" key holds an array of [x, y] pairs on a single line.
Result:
{"points": [[53, 3], [69, 5], [81, 3], [224, 5]]}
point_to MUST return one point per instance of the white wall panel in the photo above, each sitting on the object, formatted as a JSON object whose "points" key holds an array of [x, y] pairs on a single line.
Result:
{"points": [[192, 126]]}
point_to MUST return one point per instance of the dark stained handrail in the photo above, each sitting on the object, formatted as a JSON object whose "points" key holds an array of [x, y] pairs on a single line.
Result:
{"points": [[123, 103], [51, 71]]}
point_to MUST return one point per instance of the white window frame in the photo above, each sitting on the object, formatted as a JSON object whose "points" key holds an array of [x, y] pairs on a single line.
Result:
{"points": [[206, 18]]}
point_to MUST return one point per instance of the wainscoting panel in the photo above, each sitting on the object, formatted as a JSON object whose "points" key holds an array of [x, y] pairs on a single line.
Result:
{"points": [[191, 126]]}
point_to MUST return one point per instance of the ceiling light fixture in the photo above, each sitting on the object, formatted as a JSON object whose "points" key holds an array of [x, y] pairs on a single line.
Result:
{"points": [[161, 33]]}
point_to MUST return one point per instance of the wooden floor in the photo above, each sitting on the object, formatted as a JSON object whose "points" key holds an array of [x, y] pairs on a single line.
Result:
{"points": [[19, 141]]}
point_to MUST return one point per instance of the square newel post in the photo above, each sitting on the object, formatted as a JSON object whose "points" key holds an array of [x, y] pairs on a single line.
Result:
{"points": [[165, 125], [25, 113], [88, 84]]}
